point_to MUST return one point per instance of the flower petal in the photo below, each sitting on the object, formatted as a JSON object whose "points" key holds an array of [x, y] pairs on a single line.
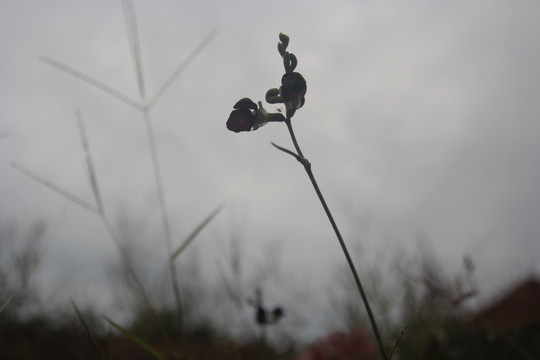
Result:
{"points": [[293, 87], [240, 120], [245, 103]]}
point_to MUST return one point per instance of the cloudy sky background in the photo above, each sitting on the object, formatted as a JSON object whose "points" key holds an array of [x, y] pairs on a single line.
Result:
{"points": [[421, 122]]}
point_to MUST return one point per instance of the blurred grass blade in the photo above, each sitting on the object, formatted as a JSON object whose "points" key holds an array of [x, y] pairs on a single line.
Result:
{"points": [[195, 232], [89, 163], [87, 329], [8, 301], [155, 354], [55, 188], [117, 94], [134, 44], [170, 80]]}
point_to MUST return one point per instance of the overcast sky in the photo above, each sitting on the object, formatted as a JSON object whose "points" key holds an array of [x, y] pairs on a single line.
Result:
{"points": [[421, 122]]}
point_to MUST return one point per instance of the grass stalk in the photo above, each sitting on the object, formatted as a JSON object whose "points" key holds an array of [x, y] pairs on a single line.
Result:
{"points": [[145, 108], [164, 213], [108, 226]]}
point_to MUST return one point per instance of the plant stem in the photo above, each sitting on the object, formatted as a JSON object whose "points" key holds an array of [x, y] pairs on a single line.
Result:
{"points": [[307, 167]]}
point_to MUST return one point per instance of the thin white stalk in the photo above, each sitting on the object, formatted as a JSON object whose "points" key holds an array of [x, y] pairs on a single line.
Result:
{"points": [[163, 208], [108, 226], [133, 37]]}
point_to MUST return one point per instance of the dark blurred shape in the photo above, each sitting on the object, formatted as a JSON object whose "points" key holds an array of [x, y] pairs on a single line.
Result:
{"points": [[260, 316], [516, 309], [277, 313], [264, 316], [507, 329]]}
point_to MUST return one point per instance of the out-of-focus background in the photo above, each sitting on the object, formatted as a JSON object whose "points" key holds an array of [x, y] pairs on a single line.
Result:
{"points": [[421, 123]]}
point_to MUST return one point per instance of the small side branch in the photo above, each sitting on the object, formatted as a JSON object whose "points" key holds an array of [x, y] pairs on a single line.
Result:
{"points": [[301, 159]]}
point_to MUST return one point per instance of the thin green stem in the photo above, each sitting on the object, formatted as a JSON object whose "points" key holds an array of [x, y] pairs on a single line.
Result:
{"points": [[307, 167]]}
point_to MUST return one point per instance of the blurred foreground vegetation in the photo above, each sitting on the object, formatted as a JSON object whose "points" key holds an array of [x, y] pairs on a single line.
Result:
{"points": [[434, 321]]}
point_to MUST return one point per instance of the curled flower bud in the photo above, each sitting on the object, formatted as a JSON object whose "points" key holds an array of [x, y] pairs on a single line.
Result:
{"points": [[273, 97], [284, 40], [241, 120]]}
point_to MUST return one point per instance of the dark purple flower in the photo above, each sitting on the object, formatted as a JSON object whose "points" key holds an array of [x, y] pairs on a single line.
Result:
{"points": [[250, 116], [293, 87], [241, 120]]}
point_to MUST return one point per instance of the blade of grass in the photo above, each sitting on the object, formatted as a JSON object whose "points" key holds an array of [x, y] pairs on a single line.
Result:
{"points": [[90, 163], [155, 354], [134, 44], [133, 38], [55, 188], [101, 212], [104, 87], [170, 80], [87, 330], [195, 232], [8, 301]]}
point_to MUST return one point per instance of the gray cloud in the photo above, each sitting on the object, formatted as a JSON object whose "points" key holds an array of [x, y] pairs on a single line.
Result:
{"points": [[424, 114]]}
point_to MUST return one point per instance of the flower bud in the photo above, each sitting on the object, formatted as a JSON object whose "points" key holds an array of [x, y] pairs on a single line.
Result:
{"points": [[272, 96], [281, 49], [287, 62], [294, 62], [284, 39]]}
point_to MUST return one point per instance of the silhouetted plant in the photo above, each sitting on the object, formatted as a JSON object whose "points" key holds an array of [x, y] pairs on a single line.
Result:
{"points": [[248, 116]]}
